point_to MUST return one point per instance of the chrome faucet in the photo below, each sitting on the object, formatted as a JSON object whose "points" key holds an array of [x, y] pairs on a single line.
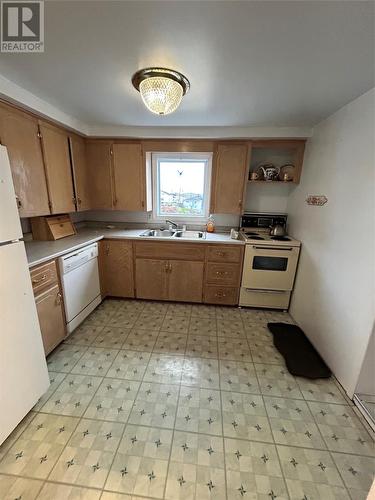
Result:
{"points": [[171, 223]]}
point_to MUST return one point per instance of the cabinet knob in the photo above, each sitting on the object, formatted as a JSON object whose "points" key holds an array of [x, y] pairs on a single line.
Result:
{"points": [[79, 201], [58, 298], [19, 202]]}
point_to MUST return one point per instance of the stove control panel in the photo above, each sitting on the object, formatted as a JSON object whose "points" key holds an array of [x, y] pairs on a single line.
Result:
{"points": [[263, 220]]}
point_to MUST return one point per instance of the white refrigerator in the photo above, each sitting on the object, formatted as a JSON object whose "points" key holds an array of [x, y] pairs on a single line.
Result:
{"points": [[23, 368]]}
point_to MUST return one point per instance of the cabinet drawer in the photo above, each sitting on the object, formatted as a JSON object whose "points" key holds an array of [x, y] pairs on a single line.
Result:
{"points": [[224, 253], [221, 295], [43, 276], [223, 274], [175, 250]]}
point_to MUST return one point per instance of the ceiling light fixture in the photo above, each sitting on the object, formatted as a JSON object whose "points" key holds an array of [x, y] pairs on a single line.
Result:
{"points": [[161, 89]]}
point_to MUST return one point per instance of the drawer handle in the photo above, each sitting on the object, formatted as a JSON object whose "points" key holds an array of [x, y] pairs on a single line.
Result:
{"points": [[220, 294], [221, 254], [36, 281], [287, 249], [221, 273]]}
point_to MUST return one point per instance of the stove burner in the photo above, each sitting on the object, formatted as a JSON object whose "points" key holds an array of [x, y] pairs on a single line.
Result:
{"points": [[280, 238], [250, 233], [256, 237]]}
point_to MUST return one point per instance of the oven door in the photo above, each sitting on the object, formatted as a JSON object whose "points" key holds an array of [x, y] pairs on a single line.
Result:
{"points": [[269, 267]]}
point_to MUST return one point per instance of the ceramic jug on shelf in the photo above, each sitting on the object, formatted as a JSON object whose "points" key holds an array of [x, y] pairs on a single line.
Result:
{"points": [[270, 172]]}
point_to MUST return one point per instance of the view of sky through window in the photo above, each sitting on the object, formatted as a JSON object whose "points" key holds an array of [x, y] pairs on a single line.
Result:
{"points": [[181, 187]]}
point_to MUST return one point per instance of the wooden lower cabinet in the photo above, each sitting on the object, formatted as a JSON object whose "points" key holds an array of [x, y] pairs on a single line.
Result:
{"points": [[188, 272], [116, 268], [223, 274], [51, 317], [178, 280], [185, 281], [151, 279]]}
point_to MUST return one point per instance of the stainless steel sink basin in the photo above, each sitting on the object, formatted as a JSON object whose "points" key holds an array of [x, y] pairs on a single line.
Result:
{"points": [[189, 234], [158, 233], [167, 233]]}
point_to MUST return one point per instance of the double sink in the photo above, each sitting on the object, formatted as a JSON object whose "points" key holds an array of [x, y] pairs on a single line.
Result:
{"points": [[171, 233]]}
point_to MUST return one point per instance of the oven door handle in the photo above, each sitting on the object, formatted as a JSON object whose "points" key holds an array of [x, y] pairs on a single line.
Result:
{"points": [[288, 249]]}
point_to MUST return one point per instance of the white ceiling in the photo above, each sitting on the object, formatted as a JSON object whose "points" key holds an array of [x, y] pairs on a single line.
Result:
{"points": [[249, 63]]}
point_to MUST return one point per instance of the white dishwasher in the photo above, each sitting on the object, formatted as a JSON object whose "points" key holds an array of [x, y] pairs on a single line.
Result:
{"points": [[80, 282]]}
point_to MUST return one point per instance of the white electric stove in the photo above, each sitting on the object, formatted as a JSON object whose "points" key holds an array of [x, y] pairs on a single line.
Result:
{"points": [[270, 262]]}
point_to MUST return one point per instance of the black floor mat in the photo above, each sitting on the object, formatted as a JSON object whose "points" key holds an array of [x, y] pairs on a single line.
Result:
{"points": [[300, 356]]}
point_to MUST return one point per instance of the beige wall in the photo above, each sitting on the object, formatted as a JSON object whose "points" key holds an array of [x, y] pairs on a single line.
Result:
{"points": [[334, 295]]}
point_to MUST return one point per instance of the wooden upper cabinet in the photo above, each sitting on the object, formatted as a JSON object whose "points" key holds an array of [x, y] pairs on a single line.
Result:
{"points": [[58, 168], [19, 133], [99, 164], [129, 177], [80, 172], [229, 178]]}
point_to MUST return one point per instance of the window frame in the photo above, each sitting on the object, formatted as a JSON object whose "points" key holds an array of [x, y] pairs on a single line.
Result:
{"points": [[182, 219]]}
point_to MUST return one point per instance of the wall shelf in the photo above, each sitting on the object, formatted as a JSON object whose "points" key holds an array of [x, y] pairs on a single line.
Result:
{"points": [[278, 152]]}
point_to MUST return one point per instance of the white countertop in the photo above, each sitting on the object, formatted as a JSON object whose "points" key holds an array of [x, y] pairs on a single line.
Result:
{"points": [[42, 251]]}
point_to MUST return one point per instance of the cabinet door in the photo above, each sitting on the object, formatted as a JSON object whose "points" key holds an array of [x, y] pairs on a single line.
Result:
{"points": [[185, 281], [151, 279], [117, 268], [129, 178], [80, 172], [230, 172], [19, 133], [58, 169], [51, 318], [99, 159]]}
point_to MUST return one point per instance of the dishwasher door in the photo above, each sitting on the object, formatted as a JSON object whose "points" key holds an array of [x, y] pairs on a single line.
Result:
{"points": [[81, 287]]}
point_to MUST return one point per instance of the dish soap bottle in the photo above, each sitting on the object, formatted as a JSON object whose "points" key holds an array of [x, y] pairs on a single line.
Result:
{"points": [[210, 225]]}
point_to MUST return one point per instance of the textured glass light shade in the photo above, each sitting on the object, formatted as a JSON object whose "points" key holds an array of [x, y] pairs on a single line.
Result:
{"points": [[161, 95]]}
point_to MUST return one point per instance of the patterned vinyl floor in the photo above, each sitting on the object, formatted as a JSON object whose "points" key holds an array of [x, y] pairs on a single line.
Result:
{"points": [[174, 401]]}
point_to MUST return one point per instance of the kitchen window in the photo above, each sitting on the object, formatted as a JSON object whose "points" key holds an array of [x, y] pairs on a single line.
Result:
{"points": [[181, 186]]}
